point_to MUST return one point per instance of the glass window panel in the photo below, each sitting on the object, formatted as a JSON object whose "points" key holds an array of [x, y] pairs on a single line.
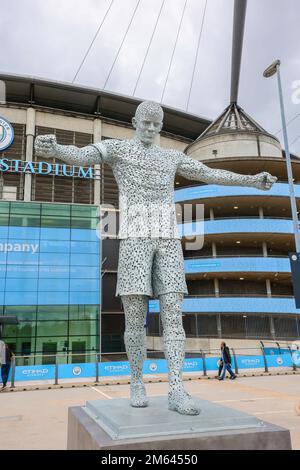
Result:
{"points": [[52, 328], [52, 221], [54, 246], [84, 235], [10, 331], [84, 211], [23, 220], [59, 344], [81, 312], [25, 208], [85, 247], [78, 259], [90, 342], [83, 327], [55, 233], [81, 222], [4, 218], [24, 233], [22, 312], [52, 312], [22, 330], [56, 259], [26, 272], [4, 207], [56, 210], [61, 272]]}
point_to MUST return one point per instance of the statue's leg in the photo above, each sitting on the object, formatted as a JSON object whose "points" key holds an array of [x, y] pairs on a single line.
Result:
{"points": [[135, 308], [174, 343]]}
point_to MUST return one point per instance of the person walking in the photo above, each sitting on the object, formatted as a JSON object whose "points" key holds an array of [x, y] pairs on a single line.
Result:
{"points": [[5, 366], [226, 359]]}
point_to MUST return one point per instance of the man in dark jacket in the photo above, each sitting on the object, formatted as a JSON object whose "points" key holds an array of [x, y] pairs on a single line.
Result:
{"points": [[226, 359], [5, 367]]}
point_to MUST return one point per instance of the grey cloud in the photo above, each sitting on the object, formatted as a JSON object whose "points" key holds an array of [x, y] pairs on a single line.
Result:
{"points": [[50, 38]]}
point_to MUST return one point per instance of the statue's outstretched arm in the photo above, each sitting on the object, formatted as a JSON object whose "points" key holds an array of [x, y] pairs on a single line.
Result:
{"points": [[195, 170], [46, 146]]}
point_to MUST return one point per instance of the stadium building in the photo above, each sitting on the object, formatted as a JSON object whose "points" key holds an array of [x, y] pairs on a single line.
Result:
{"points": [[59, 280]]}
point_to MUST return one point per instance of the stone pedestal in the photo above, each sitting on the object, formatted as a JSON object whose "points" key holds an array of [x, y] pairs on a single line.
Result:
{"points": [[114, 425]]}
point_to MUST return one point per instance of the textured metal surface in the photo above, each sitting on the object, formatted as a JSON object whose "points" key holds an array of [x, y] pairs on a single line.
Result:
{"points": [[122, 422]]}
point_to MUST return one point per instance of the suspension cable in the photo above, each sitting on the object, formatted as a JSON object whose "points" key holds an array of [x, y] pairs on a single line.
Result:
{"points": [[149, 46], [288, 123], [92, 42], [174, 49], [295, 140], [196, 57], [119, 50]]}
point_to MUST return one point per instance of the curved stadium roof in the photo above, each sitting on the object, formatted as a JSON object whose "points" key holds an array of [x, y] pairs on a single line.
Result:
{"points": [[27, 90]]}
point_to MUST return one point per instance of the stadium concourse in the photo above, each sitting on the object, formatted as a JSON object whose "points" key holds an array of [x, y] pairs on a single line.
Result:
{"points": [[271, 398]]}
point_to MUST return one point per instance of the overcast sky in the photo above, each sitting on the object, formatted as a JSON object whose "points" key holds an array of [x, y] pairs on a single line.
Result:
{"points": [[48, 38]]}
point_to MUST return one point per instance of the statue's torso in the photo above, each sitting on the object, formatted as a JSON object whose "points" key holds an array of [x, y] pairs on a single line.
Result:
{"points": [[145, 178]]}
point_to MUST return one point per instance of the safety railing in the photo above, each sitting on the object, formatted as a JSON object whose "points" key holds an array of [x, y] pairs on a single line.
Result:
{"points": [[203, 362]]}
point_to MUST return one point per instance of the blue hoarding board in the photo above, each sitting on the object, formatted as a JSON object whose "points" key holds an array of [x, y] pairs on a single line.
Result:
{"points": [[67, 371], [250, 362], [25, 373], [107, 369], [212, 363], [279, 360]]}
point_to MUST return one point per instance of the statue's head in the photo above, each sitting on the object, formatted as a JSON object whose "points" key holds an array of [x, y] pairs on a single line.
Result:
{"points": [[148, 121]]}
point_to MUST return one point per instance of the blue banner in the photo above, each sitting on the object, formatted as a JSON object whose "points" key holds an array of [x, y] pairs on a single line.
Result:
{"points": [[76, 371], [276, 351], [26, 373], [107, 369], [212, 363], [159, 366], [279, 360], [250, 362]]}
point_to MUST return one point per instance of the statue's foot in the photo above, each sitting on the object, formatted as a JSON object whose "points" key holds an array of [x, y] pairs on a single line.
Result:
{"points": [[182, 402], [138, 398]]}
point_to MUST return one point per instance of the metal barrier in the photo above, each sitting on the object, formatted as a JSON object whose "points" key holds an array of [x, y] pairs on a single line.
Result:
{"points": [[202, 361]]}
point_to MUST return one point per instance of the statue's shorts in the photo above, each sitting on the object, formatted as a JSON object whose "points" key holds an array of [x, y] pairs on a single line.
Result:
{"points": [[150, 266]]}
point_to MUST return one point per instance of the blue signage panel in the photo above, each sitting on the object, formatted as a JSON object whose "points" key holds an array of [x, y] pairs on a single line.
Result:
{"points": [[279, 360], [158, 366], [212, 363], [76, 371], [38, 168], [155, 367], [107, 369], [250, 362], [26, 373]]}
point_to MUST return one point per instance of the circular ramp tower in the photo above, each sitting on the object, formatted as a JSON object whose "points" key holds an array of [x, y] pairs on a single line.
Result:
{"points": [[234, 134]]}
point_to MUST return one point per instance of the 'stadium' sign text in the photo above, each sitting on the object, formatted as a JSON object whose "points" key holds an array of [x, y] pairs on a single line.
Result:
{"points": [[46, 168]]}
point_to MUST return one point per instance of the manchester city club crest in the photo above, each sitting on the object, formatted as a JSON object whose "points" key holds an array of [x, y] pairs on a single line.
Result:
{"points": [[6, 134]]}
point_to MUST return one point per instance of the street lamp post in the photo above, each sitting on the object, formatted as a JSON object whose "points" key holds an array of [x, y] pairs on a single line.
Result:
{"points": [[269, 72]]}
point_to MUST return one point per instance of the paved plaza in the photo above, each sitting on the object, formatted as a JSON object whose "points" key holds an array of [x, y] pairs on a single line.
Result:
{"points": [[37, 419]]}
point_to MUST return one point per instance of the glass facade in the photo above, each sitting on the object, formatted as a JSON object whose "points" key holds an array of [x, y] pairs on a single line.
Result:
{"points": [[50, 279]]}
